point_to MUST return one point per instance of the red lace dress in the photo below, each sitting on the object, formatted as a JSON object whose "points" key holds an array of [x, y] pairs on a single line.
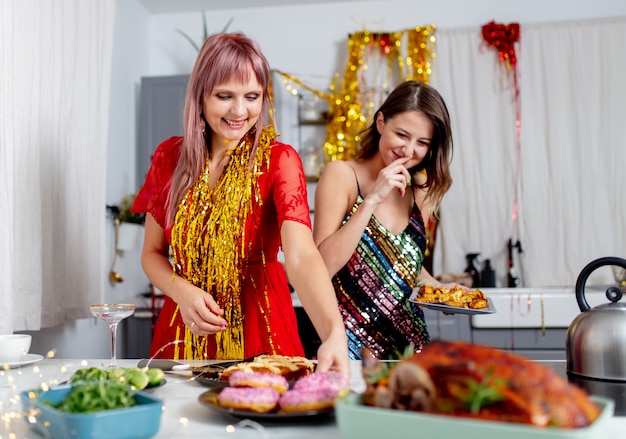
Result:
{"points": [[269, 322]]}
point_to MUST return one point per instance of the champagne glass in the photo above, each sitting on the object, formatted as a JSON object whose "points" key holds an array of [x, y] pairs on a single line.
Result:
{"points": [[113, 313]]}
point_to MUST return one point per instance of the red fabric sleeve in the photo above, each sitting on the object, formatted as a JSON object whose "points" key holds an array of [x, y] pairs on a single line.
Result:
{"points": [[152, 197], [290, 192]]}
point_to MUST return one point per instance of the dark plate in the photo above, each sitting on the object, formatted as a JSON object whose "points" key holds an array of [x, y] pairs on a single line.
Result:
{"points": [[162, 383], [209, 375], [209, 399], [209, 381], [457, 310]]}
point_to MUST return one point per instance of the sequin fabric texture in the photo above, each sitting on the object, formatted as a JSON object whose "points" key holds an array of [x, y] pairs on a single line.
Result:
{"points": [[268, 320], [373, 289]]}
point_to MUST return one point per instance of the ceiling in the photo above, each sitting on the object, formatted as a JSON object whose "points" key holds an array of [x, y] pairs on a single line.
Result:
{"points": [[174, 6]]}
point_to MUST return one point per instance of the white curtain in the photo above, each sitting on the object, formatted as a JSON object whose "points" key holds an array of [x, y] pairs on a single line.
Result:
{"points": [[573, 150], [55, 79]]}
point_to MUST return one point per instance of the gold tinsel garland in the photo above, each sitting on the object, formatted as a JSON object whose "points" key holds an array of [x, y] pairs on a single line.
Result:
{"points": [[408, 55], [209, 240]]}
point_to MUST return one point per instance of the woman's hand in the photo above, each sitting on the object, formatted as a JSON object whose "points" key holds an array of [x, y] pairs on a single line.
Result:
{"points": [[197, 308], [333, 354], [200, 312], [451, 285], [394, 176]]}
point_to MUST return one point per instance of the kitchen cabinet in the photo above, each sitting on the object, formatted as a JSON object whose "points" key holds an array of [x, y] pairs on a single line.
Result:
{"points": [[536, 344], [447, 327], [162, 99], [136, 334], [531, 321]]}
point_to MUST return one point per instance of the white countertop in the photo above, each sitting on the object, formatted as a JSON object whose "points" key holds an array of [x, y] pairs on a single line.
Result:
{"points": [[183, 415], [546, 307]]}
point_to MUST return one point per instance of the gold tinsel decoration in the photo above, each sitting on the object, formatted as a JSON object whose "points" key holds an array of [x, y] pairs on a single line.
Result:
{"points": [[209, 241], [407, 55]]}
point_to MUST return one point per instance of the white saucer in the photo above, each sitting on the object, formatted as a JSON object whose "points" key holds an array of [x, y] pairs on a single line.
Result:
{"points": [[28, 359]]}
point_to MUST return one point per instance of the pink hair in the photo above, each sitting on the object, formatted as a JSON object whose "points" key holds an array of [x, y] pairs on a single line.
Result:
{"points": [[223, 57]]}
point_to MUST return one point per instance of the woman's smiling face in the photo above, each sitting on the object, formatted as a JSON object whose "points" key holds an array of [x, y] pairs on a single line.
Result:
{"points": [[231, 109], [407, 134]]}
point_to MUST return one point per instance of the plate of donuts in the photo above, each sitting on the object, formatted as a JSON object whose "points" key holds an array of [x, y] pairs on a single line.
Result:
{"points": [[270, 397], [210, 399]]}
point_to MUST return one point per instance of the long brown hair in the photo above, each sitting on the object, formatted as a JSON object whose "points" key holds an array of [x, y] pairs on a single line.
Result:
{"points": [[417, 96], [222, 57]]}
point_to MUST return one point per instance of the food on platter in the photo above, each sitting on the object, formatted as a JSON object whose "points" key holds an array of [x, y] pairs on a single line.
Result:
{"points": [[256, 399], [317, 391], [467, 380], [92, 397], [259, 379], [332, 380], [314, 392], [455, 296], [138, 416], [290, 367], [210, 371], [135, 377], [95, 396], [305, 400], [209, 399]]}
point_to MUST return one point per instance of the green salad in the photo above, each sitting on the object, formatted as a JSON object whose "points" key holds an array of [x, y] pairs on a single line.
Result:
{"points": [[138, 378], [95, 389], [93, 396]]}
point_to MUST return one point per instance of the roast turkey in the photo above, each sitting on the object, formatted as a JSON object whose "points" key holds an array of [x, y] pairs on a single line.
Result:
{"points": [[461, 379]]}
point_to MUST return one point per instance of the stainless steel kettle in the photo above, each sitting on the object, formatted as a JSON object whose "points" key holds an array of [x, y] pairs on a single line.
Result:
{"points": [[596, 341]]}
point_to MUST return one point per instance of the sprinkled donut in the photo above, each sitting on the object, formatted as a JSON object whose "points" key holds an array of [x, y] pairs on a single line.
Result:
{"points": [[305, 400], [256, 399], [331, 380], [258, 379]]}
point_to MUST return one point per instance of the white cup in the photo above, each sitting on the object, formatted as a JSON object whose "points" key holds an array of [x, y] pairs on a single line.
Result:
{"points": [[14, 347]]}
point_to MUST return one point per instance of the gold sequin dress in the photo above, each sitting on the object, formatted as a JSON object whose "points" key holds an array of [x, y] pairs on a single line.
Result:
{"points": [[263, 318]]}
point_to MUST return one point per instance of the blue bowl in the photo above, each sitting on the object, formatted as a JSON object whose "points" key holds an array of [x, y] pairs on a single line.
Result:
{"points": [[140, 421]]}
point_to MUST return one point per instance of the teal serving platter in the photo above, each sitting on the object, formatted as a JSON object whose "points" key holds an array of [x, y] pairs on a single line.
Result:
{"points": [[141, 421]]}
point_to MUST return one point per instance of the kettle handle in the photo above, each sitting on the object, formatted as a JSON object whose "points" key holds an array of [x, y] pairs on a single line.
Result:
{"points": [[612, 293]]}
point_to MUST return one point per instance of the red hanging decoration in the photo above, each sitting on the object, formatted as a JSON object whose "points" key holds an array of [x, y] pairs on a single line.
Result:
{"points": [[503, 37]]}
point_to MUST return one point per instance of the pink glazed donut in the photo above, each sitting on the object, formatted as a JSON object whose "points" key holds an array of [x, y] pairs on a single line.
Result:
{"points": [[306, 400], [258, 379], [256, 399], [331, 380]]}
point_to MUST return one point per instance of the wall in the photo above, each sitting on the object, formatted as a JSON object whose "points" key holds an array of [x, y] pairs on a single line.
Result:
{"points": [[130, 61], [310, 41], [306, 41]]}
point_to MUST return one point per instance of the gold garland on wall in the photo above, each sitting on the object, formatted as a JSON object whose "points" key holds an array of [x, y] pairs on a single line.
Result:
{"points": [[405, 55]]}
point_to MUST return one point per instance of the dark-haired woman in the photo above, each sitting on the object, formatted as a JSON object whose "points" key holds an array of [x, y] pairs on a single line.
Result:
{"points": [[370, 216]]}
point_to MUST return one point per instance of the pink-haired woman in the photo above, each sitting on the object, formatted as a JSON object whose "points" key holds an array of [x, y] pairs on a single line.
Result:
{"points": [[222, 200]]}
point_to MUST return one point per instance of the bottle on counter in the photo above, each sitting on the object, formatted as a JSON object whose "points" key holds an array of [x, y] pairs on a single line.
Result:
{"points": [[472, 269], [487, 275]]}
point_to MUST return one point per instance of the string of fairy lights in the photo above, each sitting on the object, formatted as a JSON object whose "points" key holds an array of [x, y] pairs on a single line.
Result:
{"points": [[16, 415]]}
